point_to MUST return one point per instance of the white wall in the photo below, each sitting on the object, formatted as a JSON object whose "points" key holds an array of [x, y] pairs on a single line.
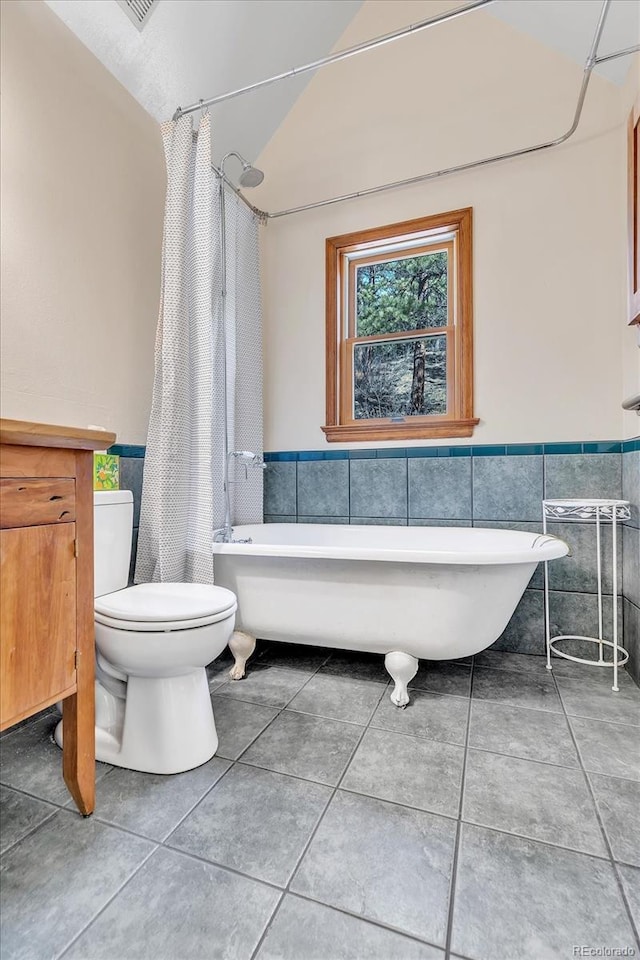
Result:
{"points": [[550, 229], [82, 207]]}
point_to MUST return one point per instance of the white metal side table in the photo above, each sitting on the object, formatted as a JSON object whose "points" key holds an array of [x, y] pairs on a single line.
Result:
{"points": [[600, 512]]}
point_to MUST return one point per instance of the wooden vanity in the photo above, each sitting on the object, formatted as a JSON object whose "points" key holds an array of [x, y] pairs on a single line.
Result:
{"points": [[46, 586]]}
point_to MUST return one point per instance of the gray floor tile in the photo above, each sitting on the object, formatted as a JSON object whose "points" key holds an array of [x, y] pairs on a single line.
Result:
{"points": [[631, 883], [608, 748], [577, 671], [443, 676], [521, 900], [431, 715], [176, 907], [421, 773], [535, 800], [19, 815], [619, 805], [516, 689], [512, 662], [31, 761], [383, 862], [271, 686], [54, 882], [519, 732], [305, 746], [152, 804], [238, 723], [360, 666], [255, 821], [299, 656], [47, 712], [303, 930], [339, 698], [593, 698]]}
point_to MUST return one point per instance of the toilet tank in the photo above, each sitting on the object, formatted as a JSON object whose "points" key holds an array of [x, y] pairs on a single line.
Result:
{"points": [[112, 533]]}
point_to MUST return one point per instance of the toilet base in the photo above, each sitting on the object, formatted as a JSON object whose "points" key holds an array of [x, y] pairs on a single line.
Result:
{"points": [[163, 725]]}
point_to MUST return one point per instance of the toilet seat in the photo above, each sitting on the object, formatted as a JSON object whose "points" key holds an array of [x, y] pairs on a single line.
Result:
{"points": [[163, 607]]}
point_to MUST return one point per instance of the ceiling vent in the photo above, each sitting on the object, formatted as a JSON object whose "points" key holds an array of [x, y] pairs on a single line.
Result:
{"points": [[138, 11]]}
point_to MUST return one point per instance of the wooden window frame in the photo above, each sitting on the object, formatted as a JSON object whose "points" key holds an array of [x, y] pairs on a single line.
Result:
{"points": [[453, 231]]}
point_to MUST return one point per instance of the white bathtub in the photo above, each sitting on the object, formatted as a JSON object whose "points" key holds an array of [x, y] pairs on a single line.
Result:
{"points": [[407, 592]]}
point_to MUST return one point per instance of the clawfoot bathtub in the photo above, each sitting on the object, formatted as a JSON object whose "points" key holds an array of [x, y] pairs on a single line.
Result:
{"points": [[436, 593]]}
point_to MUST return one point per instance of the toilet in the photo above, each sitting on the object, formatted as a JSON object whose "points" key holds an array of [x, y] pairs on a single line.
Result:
{"points": [[153, 642]]}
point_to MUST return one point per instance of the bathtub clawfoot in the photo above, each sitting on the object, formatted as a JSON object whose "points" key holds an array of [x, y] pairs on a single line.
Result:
{"points": [[403, 668], [242, 646]]}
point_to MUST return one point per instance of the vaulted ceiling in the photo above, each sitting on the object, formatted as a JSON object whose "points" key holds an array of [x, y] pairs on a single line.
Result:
{"points": [[192, 49]]}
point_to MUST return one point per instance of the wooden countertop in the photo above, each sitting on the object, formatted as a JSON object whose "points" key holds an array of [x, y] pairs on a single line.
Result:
{"points": [[27, 434]]}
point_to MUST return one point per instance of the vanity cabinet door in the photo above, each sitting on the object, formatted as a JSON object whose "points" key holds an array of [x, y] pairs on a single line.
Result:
{"points": [[38, 603]]}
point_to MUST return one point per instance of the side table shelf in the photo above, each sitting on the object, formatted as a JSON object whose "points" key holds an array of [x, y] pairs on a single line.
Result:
{"points": [[600, 512]]}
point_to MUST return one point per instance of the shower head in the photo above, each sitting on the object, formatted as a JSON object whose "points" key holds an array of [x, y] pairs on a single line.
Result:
{"points": [[250, 176]]}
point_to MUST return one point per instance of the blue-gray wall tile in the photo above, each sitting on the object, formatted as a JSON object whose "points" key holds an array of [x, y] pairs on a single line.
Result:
{"points": [[323, 488], [578, 571], [415, 522], [631, 483], [269, 518], [507, 488], [440, 489], [537, 580], [379, 521], [379, 488], [331, 520], [632, 638], [131, 471], [525, 631], [583, 475], [577, 614], [280, 489], [631, 564]]}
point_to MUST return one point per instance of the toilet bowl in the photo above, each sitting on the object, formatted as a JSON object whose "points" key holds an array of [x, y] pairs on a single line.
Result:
{"points": [[153, 642]]}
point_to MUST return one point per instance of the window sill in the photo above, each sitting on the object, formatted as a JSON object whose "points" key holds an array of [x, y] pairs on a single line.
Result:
{"points": [[354, 432]]}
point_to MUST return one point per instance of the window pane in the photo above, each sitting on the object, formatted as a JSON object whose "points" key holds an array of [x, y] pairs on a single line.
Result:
{"points": [[400, 378], [406, 294]]}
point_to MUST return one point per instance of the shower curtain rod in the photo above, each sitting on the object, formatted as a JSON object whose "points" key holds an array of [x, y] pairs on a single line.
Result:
{"points": [[590, 63], [336, 57]]}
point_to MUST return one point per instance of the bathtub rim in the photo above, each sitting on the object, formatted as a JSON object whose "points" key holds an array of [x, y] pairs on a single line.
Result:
{"points": [[543, 547]]}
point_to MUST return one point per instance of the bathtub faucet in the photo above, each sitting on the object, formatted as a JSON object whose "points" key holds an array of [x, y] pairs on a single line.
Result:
{"points": [[249, 459]]}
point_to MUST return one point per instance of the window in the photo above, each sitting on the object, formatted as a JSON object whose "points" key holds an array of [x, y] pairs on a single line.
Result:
{"points": [[399, 331]]}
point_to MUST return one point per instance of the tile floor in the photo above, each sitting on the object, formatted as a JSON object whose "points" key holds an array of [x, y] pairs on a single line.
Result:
{"points": [[496, 818]]}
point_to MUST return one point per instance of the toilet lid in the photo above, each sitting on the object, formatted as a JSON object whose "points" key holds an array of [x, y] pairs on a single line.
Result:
{"points": [[165, 602]]}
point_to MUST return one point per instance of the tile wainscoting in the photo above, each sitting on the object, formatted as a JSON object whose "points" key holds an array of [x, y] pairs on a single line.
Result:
{"points": [[490, 486]]}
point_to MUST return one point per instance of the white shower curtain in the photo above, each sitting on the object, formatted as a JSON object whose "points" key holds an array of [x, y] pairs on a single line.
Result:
{"points": [[182, 497]]}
